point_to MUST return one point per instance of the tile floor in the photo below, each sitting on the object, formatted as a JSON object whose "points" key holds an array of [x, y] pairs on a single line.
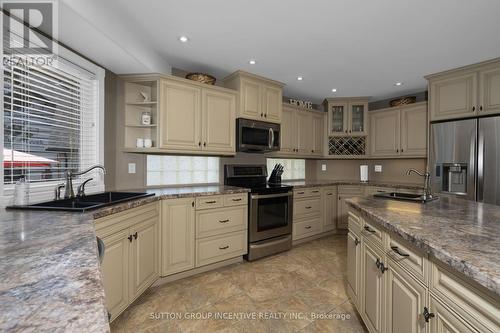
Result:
{"points": [[298, 285]]}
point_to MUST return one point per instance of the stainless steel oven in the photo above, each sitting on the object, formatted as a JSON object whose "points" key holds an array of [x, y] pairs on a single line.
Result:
{"points": [[257, 136], [270, 215]]}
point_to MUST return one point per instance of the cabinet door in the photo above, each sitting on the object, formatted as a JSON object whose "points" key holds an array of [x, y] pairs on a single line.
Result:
{"points": [[385, 133], [250, 106], [305, 132], [218, 121], [144, 256], [453, 97], [489, 91], [447, 321], [272, 103], [358, 116], [180, 118], [372, 303], [342, 212], [177, 235], [406, 299], [115, 272], [288, 131], [354, 266], [329, 208], [338, 121], [414, 131], [318, 129]]}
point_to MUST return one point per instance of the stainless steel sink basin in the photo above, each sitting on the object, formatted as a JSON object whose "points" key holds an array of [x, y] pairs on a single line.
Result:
{"points": [[88, 202], [404, 196]]}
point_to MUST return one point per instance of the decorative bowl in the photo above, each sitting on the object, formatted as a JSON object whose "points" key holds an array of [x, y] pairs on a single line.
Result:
{"points": [[201, 77], [403, 101]]}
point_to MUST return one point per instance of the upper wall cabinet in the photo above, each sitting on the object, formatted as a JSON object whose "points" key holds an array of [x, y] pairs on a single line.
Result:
{"points": [[347, 116], [399, 132], [259, 98], [186, 117], [302, 132], [465, 92]]}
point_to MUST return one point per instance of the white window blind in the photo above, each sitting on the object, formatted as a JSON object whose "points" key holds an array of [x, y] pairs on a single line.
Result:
{"points": [[294, 169], [52, 119], [181, 170]]}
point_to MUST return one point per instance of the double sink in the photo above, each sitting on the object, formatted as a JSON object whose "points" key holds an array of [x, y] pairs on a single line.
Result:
{"points": [[405, 197], [87, 202]]}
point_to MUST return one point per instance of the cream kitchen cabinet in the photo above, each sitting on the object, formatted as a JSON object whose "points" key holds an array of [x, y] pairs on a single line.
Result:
{"points": [[465, 92], [347, 116], [346, 192], [354, 267], [399, 132], [259, 98], [177, 235], [329, 208], [302, 132], [130, 264], [307, 212], [196, 119]]}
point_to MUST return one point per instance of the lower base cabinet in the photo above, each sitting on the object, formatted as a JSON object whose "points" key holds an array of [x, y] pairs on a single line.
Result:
{"points": [[446, 321], [353, 266], [373, 286]]}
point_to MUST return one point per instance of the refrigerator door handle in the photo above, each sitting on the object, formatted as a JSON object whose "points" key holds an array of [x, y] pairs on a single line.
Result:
{"points": [[480, 165]]}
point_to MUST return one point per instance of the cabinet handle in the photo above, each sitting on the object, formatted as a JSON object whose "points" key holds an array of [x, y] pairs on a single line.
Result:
{"points": [[370, 230], [223, 247], [397, 150], [136, 235], [199, 143], [262, 115], [427, 315], [481, 108], [378, 263], [401, 149], [315, 191], [130, 238], [204, 144], [210, 202], [346, 131], [356, 241], [223, 221], [383, 268], [397, 251], [300, 192], [265, 115], [192, 204], [312, 150], [308, 207], [329, 194], [308, 227]]}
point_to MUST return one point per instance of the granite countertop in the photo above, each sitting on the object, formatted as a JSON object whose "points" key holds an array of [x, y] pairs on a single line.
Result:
{"points": [[313, 183], [50, 279], [463, 234]]}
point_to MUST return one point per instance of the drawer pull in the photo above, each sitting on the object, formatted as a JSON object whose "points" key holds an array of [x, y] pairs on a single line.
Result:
{"points": [[378, 263], [300, 192], [210, 202], [223, 221], [329, 194], [356, 242], [308, 227], [239, 199], [224, 247], [427, 315], [370, 230], [308, 207], [315, 191], [397, 251]]}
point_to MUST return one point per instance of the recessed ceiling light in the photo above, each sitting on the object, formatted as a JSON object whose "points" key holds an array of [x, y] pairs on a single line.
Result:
{"points": [[398, 84], [334, 90], [183, 39], [300, 78], [252, 62]]}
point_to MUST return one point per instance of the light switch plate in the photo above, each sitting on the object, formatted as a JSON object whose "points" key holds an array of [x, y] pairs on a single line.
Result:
{"points": [[378, 168], [131, 168], [323, 167]]}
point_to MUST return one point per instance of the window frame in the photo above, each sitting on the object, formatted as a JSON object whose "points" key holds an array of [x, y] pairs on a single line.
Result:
{"points": [[45, 190]]}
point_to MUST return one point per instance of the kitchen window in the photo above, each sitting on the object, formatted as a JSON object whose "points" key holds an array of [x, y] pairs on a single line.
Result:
{"points": [[181, 170], [294, 169], [52, 119]]}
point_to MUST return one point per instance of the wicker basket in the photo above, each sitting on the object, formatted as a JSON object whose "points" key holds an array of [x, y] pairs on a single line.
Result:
{"points": [[403, 101], [201, 77]]}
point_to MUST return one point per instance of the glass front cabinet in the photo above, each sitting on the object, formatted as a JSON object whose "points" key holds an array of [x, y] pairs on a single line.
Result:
{"points": [[347, 116]]}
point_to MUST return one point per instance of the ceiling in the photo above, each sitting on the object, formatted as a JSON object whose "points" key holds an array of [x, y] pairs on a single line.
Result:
{"points": [[359, 47]]}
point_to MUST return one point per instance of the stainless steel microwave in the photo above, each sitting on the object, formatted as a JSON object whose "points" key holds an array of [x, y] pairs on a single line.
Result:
{"points": [[257, 136]]}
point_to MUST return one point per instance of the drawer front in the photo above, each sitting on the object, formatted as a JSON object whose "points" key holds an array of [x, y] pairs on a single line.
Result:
{"points": [[214, 201], [412, 260], [350, 189], [218, 248], [235, 199], [307, 192], [306, 207], [355, 223], [220, 221], [372, 233], [466, 299], [306, 228]]}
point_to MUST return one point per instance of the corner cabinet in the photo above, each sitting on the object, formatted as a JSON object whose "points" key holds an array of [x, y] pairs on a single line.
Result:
{"points": [[468, 91], [347, 116], [259, 98], [399, 131]]}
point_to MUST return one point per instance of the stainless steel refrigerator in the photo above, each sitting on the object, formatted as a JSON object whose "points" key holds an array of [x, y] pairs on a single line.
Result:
{"points": [[465, 159]]}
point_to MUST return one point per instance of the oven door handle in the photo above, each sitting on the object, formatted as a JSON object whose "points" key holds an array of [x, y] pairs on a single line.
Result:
{"points": [[268, 196], [269, 138]]}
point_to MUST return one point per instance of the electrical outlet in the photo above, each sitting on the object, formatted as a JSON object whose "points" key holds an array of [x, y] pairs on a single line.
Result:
{"points": [[131, 168], [378, 168], [323, 167]]}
